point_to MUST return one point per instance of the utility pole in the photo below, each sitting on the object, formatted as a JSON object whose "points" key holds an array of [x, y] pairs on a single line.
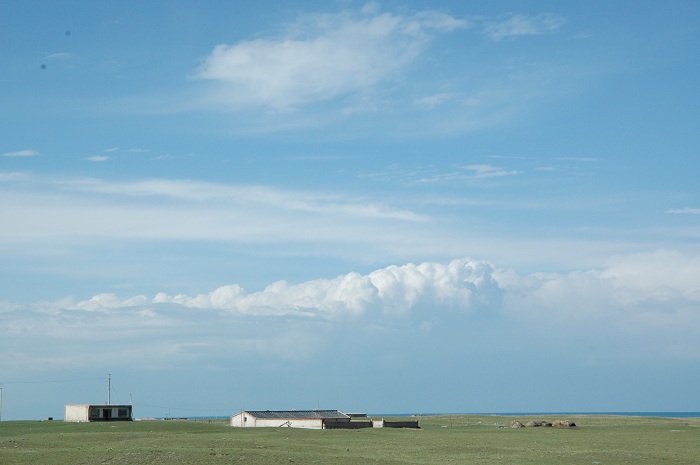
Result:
{"points": [[109, 389]]}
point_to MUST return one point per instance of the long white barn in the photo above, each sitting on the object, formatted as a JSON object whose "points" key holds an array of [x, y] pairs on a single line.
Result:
{"points": [[312, 419]]}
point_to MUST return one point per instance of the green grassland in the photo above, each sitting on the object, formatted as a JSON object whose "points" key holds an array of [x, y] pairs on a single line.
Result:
{"points": [[447, 439]]}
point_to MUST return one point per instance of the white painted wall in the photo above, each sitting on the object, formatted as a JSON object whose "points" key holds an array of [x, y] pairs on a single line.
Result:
{"points": [[310, 423], [236, 420], [252, 422], [75, 412]]}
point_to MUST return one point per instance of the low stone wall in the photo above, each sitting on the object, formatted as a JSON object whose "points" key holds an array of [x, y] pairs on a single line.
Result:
{"points": [[532, 423], [335, 424], [401, 424], [395, 424]]}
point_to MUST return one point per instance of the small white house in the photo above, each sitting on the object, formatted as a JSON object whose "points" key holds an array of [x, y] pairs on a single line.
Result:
{"points": [[312, 419], [87, 412]]}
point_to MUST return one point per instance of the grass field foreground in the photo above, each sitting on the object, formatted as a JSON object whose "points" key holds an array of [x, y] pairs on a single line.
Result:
{"points": [[444, 439]]}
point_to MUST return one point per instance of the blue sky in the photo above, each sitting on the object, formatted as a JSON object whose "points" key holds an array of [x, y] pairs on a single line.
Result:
{"points": [[385, 207]]}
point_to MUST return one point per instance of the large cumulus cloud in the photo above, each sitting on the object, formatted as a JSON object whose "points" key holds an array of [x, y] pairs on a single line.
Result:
{"points": [[445, 320], [462, 284], [650, 301]]}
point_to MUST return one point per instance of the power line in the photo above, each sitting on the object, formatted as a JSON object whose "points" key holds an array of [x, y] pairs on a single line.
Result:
{"points": [[186, 409], [52, 381]]}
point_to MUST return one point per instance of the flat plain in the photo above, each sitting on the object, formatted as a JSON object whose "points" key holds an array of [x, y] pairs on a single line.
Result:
{"points": [[442, 439]]}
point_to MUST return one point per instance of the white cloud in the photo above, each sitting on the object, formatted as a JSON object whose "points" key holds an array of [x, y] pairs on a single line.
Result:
{"points": [[400, 320], [488, 171], [396, 290], [662, 272], [64, 57], [684, 211], [434, 100], [631, 285], [37, 209], [470, 172], [98, 158], [22, 153], [517, 25], [581, 159], [321, 57], [650, 301], [199, 191]]}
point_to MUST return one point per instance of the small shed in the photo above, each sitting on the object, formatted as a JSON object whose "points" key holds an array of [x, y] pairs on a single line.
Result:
{"points": [[312, 419], [88, 412]]}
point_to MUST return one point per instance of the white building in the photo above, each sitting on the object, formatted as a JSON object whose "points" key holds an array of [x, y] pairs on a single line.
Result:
{"points": [[87, 412], [313, 419]]}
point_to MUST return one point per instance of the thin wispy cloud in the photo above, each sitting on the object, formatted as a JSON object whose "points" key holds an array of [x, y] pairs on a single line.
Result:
{"points": [[22, 153], [684, 211], [197, 191], [581, 159], [190, 210], [488, 171], [63, 60], [518, 25], [469, 172], [321, 57], [435, 99], [98, 158]]}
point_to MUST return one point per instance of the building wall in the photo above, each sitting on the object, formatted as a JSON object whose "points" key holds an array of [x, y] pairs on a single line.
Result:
{"points": [[345, 424], [75, 412], [402, 424], [253, 422], [237, 420], [84, 412], [312, 423], [395, 424]]}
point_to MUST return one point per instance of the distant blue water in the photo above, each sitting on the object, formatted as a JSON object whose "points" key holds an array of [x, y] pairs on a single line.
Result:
{"points": [[506, 414], [516, 414], [623, 414]]}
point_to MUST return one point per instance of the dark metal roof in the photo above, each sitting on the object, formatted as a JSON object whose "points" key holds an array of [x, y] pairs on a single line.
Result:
{"points": [[99, 405], [297, 414]]}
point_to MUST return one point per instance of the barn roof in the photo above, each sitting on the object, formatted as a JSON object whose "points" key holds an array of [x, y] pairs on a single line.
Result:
{"points": [[99, 405], [298, 414]]}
